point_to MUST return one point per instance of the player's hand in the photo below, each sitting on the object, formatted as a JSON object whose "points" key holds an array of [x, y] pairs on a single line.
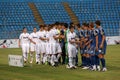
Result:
{"points": [[47, 39], [72, 41], [96, 48], [101, 46], [34, 42], [88, 46], [19, 45]]}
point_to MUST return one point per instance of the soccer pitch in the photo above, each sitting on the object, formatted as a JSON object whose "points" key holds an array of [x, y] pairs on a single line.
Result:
{"points": [[46, 72]]}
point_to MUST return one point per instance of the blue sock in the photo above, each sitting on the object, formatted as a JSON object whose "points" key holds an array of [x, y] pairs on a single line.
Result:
{"points": [[97, 60], [103, 62], [88, 61], [83, 59], [76, 60], [93, 59]]}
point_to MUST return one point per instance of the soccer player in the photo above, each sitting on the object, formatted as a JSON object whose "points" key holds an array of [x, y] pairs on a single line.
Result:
{"points": [[71, 48], [43, 42], [24, 43], [63, 41], [56, 36], [33, 42], [46, 44], [38, 46], [81, 38], [101, 44], [91, 49], [84, 46]]}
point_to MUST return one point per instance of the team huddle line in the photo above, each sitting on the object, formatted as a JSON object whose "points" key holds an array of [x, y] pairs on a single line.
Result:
{"points": [[60, 43]]}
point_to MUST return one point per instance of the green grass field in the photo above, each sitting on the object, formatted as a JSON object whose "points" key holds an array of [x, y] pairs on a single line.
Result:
{"points": [[45, 72]]}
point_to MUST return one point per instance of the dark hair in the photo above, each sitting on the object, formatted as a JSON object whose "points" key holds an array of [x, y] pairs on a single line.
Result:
{"points": [[71, 26], [71, 23], [45, 25], [40, 26], [98, 22], [57, 23], [78, 25], [84, 24], [34, 27], [87, 24], [66, 25], [91, 24], [24, 28]]}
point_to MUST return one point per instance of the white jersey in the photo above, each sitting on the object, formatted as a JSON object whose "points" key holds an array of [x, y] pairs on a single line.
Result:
{"points": [[39, 33], [24, 37], [71, 36], [51, 34], [42, 35], [34, 37], [47, 35], [54, 32]]}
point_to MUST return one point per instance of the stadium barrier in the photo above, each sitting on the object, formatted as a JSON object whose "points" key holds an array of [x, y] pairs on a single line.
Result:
{"points": [[13, 43]]}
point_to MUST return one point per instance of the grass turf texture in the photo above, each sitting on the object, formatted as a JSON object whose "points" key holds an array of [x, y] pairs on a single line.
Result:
{"points": [[46, 72]]}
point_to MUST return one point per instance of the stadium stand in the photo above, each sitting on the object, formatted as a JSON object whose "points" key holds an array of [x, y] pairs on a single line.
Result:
{"points": [[52, 12], [16, 14]]}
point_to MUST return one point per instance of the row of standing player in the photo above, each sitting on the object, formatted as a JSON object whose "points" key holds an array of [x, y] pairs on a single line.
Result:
{"points": [[49, 40]]}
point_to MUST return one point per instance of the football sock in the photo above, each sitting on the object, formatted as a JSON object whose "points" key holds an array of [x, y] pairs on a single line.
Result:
{"points": [[103, 62], [70, 61]]}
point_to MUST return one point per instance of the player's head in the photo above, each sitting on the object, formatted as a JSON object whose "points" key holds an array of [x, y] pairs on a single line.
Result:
{"points": [[56, 24], [72, 24], [65, 25], [24, 30], [46, 27], [50, 27], [98, 23], [41, 27], [34, 29], [78, 26], [85, 26], [71, 28], [59, 26], [91, 25]]}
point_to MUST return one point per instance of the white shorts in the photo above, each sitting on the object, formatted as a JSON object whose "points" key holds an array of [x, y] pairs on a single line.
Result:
{"points": [[25, 48], [42, 47], [72, 52], [48, 48], [53, 48], [33, 47], [38, 50], [58, 48]]}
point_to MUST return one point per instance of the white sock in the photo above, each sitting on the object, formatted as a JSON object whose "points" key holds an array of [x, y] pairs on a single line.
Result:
{"points": [[37, 57], [55, 58], [74, 61], [58, 56], [70, 61], [52, 59], [44, 58]]}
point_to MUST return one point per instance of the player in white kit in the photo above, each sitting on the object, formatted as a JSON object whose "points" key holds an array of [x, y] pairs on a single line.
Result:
{"points": [[33, 42], [24, 43], [55, 45], [38, 46], [43, 43], [72, 50]]}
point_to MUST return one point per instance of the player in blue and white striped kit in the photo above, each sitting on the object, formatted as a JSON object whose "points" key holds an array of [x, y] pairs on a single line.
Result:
{"points": [[92, 42], [85, 46], [101, 44]]}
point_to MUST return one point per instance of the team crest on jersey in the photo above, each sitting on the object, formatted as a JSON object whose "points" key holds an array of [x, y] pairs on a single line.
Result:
{"points": [[95, 32], [102, 31]]}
